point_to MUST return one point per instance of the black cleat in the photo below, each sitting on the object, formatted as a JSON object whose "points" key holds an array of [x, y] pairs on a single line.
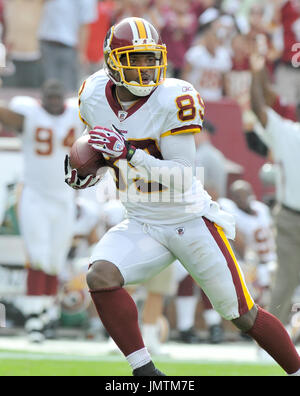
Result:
{"points": [[149, 370], [189, 337], [216, 334]]}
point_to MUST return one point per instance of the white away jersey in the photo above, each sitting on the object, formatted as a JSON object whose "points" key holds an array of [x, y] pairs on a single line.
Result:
{"points": [[46, 139], [173, 108], [257, 229], [207, 70]]}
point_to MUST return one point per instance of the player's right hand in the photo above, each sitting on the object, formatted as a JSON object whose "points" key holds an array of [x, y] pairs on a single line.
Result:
{"points": [[111, 143], [74, 181]]}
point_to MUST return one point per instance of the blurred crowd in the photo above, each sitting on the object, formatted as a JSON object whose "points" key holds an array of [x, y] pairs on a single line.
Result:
{"points": [[209, 42]]}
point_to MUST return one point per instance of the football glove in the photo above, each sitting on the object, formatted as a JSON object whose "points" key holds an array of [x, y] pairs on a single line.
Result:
{"points": [[74, 181], [111, 143]]}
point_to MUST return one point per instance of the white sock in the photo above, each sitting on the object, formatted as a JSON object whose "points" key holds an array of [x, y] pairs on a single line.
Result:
{"points": [[151, 337], [185, 312], [139, 358], [211, 317], [296, 374]]}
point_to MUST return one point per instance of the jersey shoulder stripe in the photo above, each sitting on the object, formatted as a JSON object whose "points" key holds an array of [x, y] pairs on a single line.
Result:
{"points": [[181, 130]]}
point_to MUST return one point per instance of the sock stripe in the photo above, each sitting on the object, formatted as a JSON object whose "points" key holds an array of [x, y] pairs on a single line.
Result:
{"points": [[139, 358], [106, 289]]}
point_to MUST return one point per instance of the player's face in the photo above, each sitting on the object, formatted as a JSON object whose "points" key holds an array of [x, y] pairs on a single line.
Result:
{"points": [[141, 60], [54, 103], [243, 199]]}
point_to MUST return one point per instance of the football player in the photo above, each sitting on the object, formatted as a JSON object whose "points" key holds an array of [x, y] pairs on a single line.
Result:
{"points": [[46, 207], [144, 123], [256, 241]]}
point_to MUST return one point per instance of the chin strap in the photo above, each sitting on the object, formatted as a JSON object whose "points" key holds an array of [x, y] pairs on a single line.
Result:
{"points": [[138, 91]]}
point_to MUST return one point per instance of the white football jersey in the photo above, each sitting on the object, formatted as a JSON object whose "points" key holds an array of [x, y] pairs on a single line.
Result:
{"points": [[173, 108], [46, 139], [257, 229], [207, 70]]}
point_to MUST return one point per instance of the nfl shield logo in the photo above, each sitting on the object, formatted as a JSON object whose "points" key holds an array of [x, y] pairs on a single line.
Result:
{"points": [[122, 115], [180, 230]]}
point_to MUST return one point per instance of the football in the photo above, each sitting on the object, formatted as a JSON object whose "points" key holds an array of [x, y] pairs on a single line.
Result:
{"points": [[84, 158]]}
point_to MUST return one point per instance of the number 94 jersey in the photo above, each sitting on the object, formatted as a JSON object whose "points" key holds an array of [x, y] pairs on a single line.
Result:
{"points": [[46, 139], [173, 108]]}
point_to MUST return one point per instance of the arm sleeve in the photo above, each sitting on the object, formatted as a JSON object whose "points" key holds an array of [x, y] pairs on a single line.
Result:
{"points": [[23, 105], [176, 169], [277, 130]]}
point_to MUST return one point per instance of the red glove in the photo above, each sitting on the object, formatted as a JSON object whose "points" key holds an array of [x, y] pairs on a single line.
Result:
{"points": [[111, 143]]}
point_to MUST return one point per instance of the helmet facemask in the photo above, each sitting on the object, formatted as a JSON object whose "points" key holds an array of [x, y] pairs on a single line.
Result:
{"points": [[118, 61]]}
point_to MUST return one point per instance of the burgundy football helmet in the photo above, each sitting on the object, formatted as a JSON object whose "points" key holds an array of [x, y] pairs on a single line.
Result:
{"points": [[134, 35]]}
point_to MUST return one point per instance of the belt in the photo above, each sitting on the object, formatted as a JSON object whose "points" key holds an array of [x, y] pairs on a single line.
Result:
{"points": [[297, 212]]}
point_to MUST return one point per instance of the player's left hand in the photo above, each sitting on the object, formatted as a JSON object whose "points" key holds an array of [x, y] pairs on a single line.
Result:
{"points": [[74, 181], [111, 143]]}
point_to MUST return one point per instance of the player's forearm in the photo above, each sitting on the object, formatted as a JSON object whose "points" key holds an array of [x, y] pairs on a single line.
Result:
{"points": [[257, 99], [269, 94], [11, 119]]}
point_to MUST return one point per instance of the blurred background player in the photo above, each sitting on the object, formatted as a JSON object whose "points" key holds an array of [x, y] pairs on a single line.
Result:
{"points": [[208, 60], [186, 301], [255, 240], [282, 137], [46, 208]]}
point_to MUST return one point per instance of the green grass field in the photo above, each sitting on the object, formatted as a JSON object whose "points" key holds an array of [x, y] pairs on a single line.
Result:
{"points": [[43, 366]]}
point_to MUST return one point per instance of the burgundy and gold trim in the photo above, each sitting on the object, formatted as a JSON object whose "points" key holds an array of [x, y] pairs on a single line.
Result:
{"points": [[183, 129], [114, 103], [245, 301]]}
